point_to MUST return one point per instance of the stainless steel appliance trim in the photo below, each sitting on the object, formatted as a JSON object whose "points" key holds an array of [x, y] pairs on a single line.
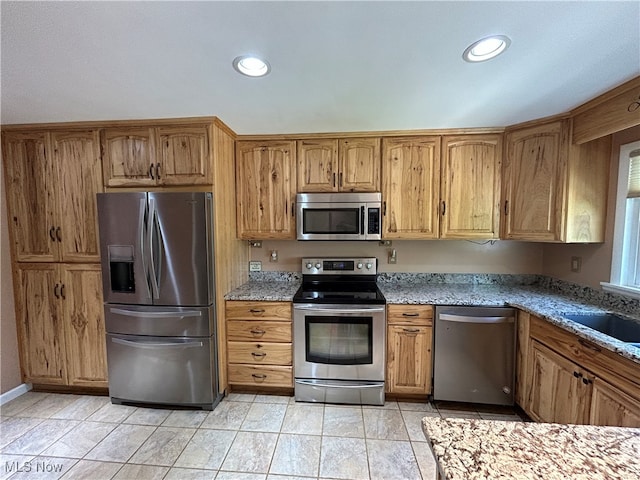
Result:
{"points": [[339, 383], [151, 221], [152, 345], [335, 309], [143, 242], [140, 314], [471, 319]]}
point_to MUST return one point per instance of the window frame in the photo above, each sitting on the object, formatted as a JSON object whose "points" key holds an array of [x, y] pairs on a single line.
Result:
{"points": [[625, 238]]}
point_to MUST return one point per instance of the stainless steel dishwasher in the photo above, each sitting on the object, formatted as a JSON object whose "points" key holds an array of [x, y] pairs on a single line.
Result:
{"points": [[474, 354]]}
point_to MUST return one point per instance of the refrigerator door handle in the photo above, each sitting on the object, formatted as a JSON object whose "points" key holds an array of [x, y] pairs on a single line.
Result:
{"points": [[151, 227], [143, 243], [135, 313], [153, 345]]}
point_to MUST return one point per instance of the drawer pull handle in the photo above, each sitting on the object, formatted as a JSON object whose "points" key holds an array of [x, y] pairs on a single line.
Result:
{"points": [[588, 345], [257, 310], [411, 330], [405, 314], [258, 354], [257, 332], [259, 376]]}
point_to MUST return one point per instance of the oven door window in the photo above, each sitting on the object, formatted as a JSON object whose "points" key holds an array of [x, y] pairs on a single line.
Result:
{"points": [[331, 220], [339, 340]]}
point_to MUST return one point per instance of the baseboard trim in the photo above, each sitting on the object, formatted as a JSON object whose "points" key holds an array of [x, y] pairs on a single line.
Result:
{"points": [[15, 393]]}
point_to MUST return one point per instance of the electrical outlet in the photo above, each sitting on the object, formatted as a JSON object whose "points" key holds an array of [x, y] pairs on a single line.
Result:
{"points": [[255, 266], [255, 243], [384, 243], [392, 256], [576, 264], [273, 257]]}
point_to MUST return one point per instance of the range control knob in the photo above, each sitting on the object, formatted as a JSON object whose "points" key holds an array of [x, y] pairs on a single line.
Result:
{"points": [[359, 266], [318, 265], [309, 266], [369, 266]]}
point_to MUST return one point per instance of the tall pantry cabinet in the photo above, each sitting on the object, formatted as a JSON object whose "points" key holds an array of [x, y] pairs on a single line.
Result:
{"points": [[52, 177]]}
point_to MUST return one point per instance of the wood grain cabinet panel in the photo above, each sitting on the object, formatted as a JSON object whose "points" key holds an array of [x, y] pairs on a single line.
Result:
{"points": [[31, 195], [359, 165], [317, 165], [409, 347], [61, 324], [259, 348], [265, 185], [411, 187], [561, 390], [184, 158], [128, 156], [611, 406], [84, 325], [52, 181], [470, 206]]}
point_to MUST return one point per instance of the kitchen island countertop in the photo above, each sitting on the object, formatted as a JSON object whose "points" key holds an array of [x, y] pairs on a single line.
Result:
{"points": [[468, 449]]}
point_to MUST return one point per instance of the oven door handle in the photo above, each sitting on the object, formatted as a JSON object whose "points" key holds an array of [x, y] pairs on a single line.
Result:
{"points": [[332, 310], [315, 383]]}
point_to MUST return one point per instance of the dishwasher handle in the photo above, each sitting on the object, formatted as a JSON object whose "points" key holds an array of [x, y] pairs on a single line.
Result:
{"points": [[448, 317]]}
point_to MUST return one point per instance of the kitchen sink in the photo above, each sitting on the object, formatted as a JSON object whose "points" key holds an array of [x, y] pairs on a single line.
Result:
{"points": [[615, 326]]}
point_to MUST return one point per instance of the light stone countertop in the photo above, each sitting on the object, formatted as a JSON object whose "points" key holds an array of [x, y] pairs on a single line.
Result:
{"points": [[265, 291], [468, 449]]}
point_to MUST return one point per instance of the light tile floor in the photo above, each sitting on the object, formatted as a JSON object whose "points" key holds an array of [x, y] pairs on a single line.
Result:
{"points": [[247, 437]]}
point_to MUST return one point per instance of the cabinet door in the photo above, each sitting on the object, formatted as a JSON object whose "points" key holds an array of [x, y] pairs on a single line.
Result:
{"points": [[128, 156], [184, 156], [471, 186], [318, 165], [31, 196], [611, 406], [411, 187], [41, 328], [359, 169], [84, 325], [409, 359], [79, 174], [560, 390], [265, 176], [533, 182]]}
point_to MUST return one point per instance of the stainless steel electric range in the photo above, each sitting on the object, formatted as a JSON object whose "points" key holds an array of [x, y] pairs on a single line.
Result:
{"points": [[339, 326]]}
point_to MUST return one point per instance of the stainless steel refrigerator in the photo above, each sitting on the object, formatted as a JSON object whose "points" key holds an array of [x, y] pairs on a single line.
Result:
{"points": [[159, 292]]}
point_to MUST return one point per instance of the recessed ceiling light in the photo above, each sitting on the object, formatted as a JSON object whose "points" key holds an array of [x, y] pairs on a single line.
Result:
{"points": [[486, 48], [251, 66]]}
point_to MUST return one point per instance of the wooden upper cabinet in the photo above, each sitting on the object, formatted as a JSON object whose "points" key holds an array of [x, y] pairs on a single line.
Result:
{"points": [[470, 206], [156, 156], [339, 165], [410, 187], [535, 165], [318, 165], [52, 181], [31, 195], [265, 184], [359, 166], [77, 162], [128, 156], [184, 156]]}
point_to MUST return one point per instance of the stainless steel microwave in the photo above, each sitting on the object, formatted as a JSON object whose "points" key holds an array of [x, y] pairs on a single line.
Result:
{"points": [[339, 216]]}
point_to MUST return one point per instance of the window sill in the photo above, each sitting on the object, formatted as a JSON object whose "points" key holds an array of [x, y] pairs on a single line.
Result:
{"points": [[621, 290]]}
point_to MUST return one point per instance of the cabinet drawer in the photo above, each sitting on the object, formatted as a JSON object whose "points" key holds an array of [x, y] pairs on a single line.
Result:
{"points": [[236, 310], [410, 314], [260, 375], [259, 353], [250, 330]]}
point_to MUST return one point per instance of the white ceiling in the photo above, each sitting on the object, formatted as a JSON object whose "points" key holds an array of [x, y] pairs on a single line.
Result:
{"points": [[336, 66]]}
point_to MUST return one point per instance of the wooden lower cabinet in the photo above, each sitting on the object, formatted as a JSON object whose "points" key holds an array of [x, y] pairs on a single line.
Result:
{"points": [[409, 341], [569, 380], [560, 390], [259, 348], [61, 324], [611, 406]]}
